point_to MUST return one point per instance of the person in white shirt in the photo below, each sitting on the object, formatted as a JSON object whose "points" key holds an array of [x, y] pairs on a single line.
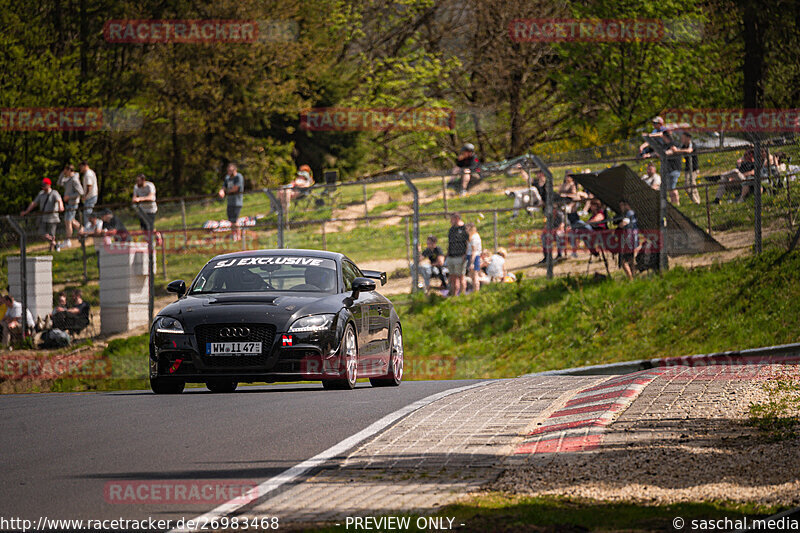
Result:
{"points": [[474, 249], [144, 195], [652, 178], [496, 269], [11, 321], [73, 191], [90, 188]]}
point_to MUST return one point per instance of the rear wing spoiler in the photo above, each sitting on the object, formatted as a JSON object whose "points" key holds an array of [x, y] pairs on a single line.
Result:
{"points": [[375, 274]]}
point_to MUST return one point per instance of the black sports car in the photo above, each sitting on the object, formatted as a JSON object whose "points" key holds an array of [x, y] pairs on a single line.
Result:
{"points": [[276, 315]]}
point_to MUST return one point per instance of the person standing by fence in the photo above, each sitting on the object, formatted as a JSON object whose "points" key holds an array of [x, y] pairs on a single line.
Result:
{"points": [[91, 191], [692, 168], [73, 190], [49, 202], [233, 188], [144, 195], [474, 250], [456, 261]]}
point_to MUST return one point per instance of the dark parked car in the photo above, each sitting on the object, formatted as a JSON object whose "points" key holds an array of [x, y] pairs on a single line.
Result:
{"points": [[277, 315]]}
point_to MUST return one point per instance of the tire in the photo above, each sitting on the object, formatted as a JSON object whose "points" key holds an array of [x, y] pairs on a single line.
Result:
{"points": [[395, 375], [166, 386], [221, 386], [349, 360]]}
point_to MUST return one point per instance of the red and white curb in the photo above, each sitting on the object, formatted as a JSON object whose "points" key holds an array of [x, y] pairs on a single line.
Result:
{"points": [[579, 424]]}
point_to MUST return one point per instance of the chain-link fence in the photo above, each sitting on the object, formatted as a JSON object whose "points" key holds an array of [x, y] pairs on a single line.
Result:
{"points": [[383, 223]]}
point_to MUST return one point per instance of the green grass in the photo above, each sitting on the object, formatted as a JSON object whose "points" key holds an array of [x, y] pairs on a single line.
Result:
{"points": [[510, 329], [500, 512]]}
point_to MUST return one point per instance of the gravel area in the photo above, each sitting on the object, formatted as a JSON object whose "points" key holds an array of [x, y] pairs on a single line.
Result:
{"points": [[685, 438]]}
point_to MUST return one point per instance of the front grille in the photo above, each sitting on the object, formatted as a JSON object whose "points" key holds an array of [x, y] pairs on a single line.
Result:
{"points": [[263, 333]]}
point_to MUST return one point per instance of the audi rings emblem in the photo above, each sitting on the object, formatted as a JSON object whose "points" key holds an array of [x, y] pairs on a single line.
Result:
{"points": [[236, 332]]}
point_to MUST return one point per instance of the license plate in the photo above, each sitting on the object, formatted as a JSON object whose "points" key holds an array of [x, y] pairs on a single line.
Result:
{"points": [[233, 348]]}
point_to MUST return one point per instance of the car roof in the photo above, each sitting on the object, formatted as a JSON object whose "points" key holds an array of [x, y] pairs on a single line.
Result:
{"points": [[292, 252]]}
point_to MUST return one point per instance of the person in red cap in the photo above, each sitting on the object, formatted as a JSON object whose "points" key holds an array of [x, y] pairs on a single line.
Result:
{"points": [[50, 205]]}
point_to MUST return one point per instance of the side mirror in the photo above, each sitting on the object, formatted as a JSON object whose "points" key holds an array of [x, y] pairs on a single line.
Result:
{"points": [[178, 287], [362, 285]]}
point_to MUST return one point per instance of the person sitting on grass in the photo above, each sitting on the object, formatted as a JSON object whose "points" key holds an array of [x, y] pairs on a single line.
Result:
{"points": [[12, 321], [436, 269], [75, 318], [496, 269]]}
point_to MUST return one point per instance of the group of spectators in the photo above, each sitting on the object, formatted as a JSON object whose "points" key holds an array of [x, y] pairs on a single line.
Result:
{"points": [[675, 153], [465, 260], [81, 188]]}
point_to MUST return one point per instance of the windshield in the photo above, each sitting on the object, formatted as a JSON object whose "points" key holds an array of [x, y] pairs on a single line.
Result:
{"points": [[267, 274]]}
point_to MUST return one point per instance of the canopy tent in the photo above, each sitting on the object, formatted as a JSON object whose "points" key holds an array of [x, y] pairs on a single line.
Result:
{"points": [[614, 184]]}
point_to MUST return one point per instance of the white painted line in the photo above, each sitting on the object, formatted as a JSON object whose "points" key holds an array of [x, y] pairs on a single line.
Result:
{"points": [[298, 470]]}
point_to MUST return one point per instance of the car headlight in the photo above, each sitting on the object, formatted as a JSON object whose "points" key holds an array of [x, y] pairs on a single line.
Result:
{"points": [[312, 323], [166, 324]]}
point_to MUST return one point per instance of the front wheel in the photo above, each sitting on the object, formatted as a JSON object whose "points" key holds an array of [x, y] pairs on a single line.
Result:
{"points": [[348, 357], [166, 386], [221, 386], [395, 375]]}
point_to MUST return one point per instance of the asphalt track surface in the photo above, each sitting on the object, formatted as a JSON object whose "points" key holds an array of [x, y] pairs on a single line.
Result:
{"points": [[59, 451]]}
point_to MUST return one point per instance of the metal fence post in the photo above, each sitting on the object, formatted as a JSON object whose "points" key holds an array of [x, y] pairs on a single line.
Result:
{"points": [[324, 238], [150, 263], [759, 164], [663, 259], [278, 208], [183, 221], [548, 230], [494, 225], [708, 211], [366, 207], [444, 193], [23, 272], [83, 247], [415, 240]]}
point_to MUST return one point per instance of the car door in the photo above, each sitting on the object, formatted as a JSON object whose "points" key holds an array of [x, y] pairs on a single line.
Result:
{"points": [[359, 308]]}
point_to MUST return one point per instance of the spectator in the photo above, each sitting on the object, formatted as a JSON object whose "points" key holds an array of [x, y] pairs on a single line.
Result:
{"points": [[301, 184], [113, 227], [435, 256], [466, 163], [528, 197], [687, 148], [91, 189], [558, 234], [11, 321], [496, 269], [658, 128], [233, 187], [474, 250], [61, 306], [672, 165], [745, 169], [541, 186], [456, 261], [651, 177], [629, 237], [49, 203], [144, 195], [73, 191], [766, 161], [74, 318]]}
